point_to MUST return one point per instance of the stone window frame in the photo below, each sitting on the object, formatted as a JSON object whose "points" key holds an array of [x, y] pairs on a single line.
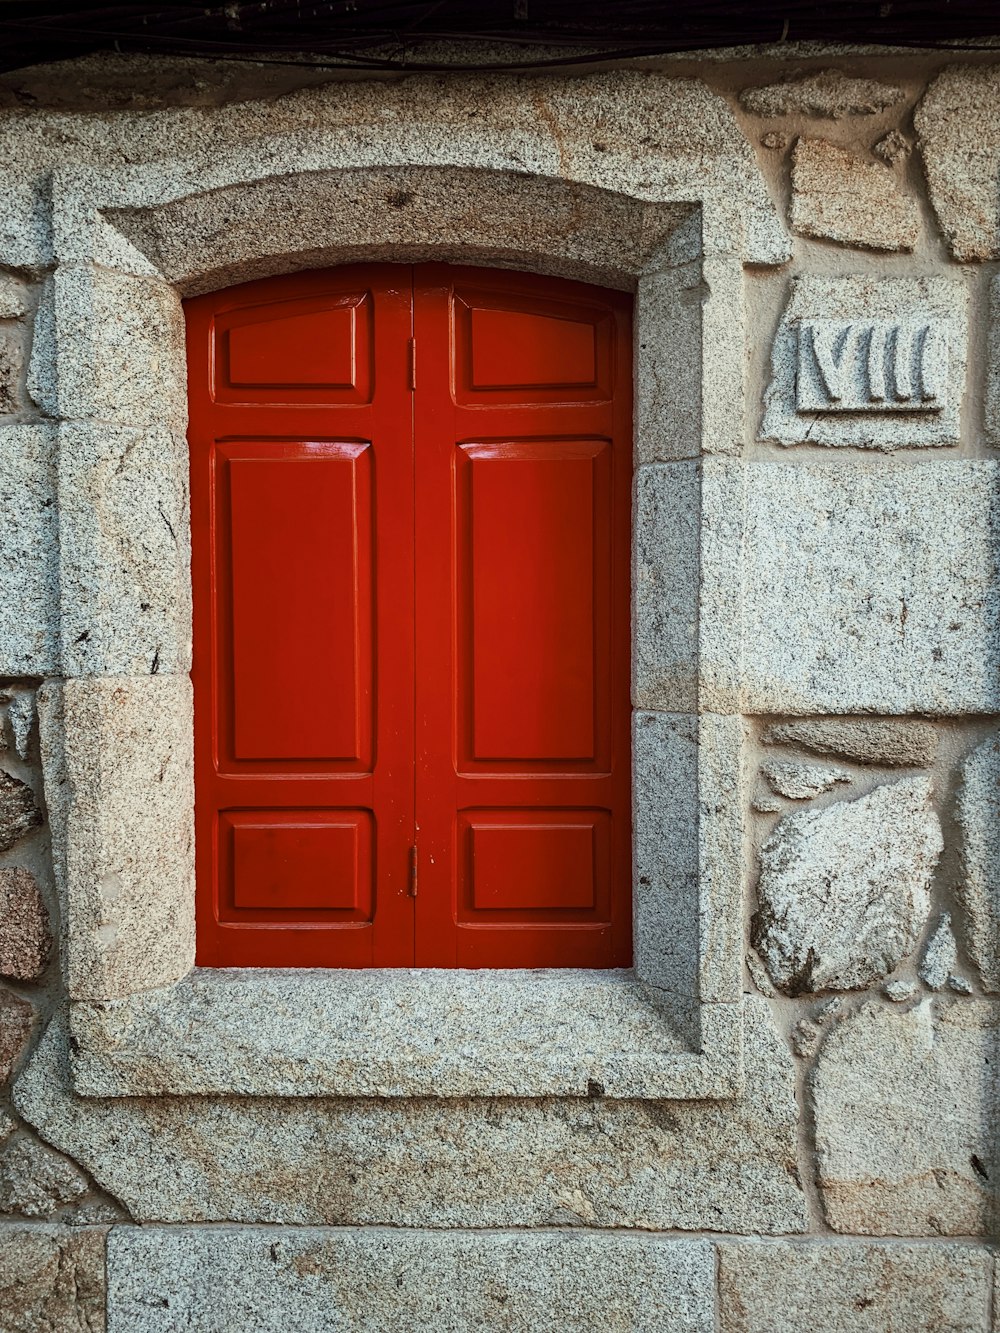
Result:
{"points": [[108, 370]]}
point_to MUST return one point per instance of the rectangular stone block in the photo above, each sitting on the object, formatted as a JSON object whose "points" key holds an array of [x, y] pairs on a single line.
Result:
{"points": [[853, 1287], [109, 346], [869, 361], [29, 552], [124, 550], [437, 1161], [116, 756], [386, 1281], [665, 587], [873, 588]]}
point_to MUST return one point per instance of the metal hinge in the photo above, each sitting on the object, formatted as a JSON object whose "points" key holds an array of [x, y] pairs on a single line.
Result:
{"points": [[413, 871], [413, 363]]}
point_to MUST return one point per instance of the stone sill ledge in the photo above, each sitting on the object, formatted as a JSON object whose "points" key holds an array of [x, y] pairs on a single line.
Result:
{"points": [[418, 1032]]}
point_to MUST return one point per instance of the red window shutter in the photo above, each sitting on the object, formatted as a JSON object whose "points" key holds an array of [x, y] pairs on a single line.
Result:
{"points": [[411, 620]]}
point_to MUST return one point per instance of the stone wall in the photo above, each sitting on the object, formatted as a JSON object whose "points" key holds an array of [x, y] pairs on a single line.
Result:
{"points": [[845, 1176]]}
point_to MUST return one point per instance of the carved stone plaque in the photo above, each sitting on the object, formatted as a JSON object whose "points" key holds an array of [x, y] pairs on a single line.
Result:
{"points": [[871, 365], [865, 361]]}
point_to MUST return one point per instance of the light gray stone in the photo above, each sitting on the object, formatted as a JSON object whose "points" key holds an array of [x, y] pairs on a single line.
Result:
{"points": [[25, 938], [120, 341], [665, 587], [124, 554], [905, 1111], [839, 196], [116, 755], [844, 891], [764, 802], [758, 974], [828, 92], [893, 148], [16, 1020], [869, 588], [940, 956], [689, 395], [377, 1033], [19, 812], [888, 743], [29, 593], [35, 1181], [800, 782], [899, 990], [896, 310], [960, 985], [991, 423], [844, 1287], [392, 1281], [14, 299], [436, 1162], [20, 716], [52, 1279], [978, 889], [958, 133]]}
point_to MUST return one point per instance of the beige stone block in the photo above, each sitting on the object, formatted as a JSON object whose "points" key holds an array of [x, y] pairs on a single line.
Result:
{"points": [[116, 756], [853, 1287], [958, 129], [25, 938], [52, 1279], [905, 1110], [838, 196]]}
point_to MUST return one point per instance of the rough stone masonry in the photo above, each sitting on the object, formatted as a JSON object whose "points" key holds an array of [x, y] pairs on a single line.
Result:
{"points": [[799, 1131]]}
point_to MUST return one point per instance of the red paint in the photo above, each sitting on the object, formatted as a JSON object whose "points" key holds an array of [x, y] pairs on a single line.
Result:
{"points": [[412, 620]]}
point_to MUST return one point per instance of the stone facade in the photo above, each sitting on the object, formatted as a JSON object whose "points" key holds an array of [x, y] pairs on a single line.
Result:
{"points": [[784, 1118]]}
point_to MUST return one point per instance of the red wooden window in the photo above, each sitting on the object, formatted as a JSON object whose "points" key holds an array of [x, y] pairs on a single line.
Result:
{"points": [[410, 495]]}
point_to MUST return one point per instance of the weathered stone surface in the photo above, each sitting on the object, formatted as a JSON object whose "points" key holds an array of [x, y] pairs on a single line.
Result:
{"points": [[124, 552], [116, 755], [120, 344], [887, 743], [16, 1018], [958, 128], [941, 956], [844, 891], [35, 1181], [839, 196], [29, 595], [800, 782], [899, 990], [19, 813], [377, 1032], [689, 394], [893, 147], [978, 889], [905, 1108], [25, 938], [843, 1287], [829, 92], [869, 588], [11, 368], [665, 584], [727, 1165], [389, 1281], [991, 423], [20, 701], [52, 1279], [14, 300], [891, 419]]}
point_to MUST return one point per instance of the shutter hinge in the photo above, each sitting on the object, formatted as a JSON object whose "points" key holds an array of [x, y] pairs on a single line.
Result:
{"points": [[413, 363], [413, 871]]}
